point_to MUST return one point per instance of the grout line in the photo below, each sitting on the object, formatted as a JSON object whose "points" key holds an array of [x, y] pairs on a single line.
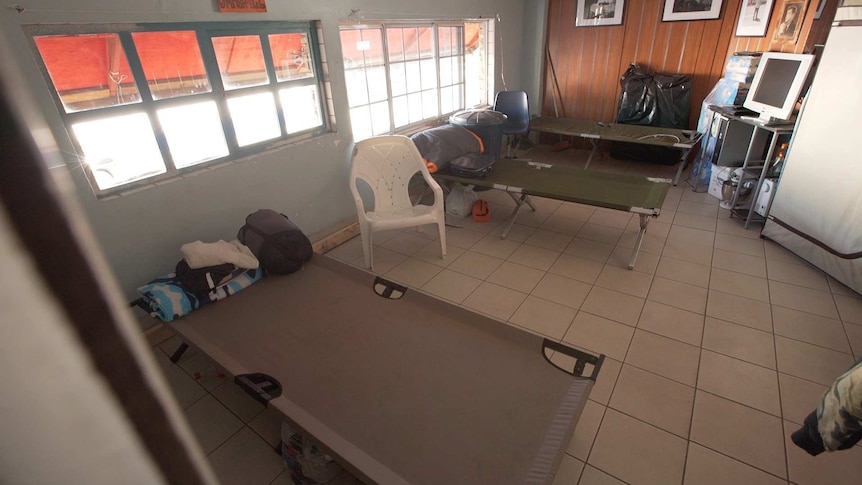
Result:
{"points": [[786, 479]]}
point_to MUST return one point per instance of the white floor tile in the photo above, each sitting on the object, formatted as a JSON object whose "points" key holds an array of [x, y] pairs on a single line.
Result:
{"points": [[212, 423], [246, 459]]}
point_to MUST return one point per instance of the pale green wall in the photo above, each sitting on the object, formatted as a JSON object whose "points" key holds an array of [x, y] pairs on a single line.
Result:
{"points": [[141, 232]]}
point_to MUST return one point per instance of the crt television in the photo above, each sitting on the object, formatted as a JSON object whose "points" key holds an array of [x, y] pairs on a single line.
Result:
{"points": [[777, 84]]}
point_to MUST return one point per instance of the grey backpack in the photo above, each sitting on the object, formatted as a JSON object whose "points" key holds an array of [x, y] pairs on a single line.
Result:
{"points": [[279, 245]]}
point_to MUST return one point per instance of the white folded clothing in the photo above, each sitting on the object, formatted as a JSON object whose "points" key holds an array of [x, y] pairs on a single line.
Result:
{"points": [[199, 254]]}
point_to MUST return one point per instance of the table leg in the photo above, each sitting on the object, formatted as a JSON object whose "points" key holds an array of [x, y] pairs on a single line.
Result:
{"points": [[519, 201], [644, 221]]}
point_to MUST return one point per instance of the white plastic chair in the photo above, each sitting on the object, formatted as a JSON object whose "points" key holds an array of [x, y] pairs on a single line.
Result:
{"points": [[386, 164]]}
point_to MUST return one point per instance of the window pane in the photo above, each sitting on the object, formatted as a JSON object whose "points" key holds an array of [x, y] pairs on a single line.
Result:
{"points": [[357, 88], [380, 118], [194, 133], [400, 112], [411, 43], [395, 44], [414, 107], [446, 78], [450, 41], [398, 79], [444, 41], [301, 108], [377, 83], [426, 43], [450, 71], [352, 57], [88, 71], [172, 63], [451, 99], [429, 103], [414, 77], [119, 149], [360, 120], [429, 73], [458, 68], [240, 61], [362, 47], [254, 118], [372, 47], [291, 57]]}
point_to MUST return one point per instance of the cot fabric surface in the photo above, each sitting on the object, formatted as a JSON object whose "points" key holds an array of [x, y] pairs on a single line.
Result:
{"points": [[590, 187], [409, 390], [647, 135], [682, 140]]}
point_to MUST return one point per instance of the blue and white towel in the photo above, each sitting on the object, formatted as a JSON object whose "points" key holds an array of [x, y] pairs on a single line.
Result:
{"points": [[168, 299], [236, 284]]}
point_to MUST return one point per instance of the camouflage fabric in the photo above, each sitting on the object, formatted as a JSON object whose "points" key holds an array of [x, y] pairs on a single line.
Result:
{"points": [[840, 409], [836, 424]]}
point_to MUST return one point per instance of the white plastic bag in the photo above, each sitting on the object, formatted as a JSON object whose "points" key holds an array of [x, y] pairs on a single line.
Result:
{"points": [[460, 200], [304, 456]]}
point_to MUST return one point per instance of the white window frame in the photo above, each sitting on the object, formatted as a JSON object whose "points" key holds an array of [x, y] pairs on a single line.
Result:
{"points": [[205, 31], [486, 85]]}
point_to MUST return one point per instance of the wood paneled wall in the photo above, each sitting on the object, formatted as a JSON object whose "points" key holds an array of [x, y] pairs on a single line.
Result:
{"points": [[587, 62], [811, 32]]}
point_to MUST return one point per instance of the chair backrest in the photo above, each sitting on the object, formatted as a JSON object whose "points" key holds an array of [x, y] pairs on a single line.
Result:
{"points": [[386, 164], [517, 107]]}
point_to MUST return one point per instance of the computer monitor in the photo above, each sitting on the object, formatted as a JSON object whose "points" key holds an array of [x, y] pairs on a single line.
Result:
{"points": [[777, 84]]}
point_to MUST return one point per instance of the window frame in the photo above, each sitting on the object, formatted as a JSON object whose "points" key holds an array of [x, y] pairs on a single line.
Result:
{"points": [[382, 25], [204, 33]]}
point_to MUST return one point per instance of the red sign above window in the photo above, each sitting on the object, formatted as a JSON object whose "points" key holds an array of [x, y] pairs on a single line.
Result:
{"points": [[242, 5]]}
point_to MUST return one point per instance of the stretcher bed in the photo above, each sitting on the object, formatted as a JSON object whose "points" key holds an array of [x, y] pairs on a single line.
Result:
{"points": [[643, 196], [400, 386], [683, 140]]}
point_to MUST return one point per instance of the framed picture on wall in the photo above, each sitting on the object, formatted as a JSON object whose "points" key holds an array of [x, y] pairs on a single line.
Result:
{"points": [[791, 13], [591, 13], [820, 5], [754, 18], [691, 10]]}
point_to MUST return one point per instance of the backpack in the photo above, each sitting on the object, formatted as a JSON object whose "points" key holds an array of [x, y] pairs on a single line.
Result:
{"points": [[279, 245]]}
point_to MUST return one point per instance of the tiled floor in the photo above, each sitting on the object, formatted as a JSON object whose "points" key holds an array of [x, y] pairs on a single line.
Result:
{"points": [[718, 343]]}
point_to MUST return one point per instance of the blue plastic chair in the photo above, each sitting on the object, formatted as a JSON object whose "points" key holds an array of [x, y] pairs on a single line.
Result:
{"points": [[516, 107]]}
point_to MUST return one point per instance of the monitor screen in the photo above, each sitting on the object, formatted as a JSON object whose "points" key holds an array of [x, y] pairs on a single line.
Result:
{"points": [[777, 84], [778, 75]]}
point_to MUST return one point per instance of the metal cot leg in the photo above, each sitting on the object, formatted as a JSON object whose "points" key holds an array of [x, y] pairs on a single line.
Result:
{"points": [[681, 166], [644, 221], [595, 144], [519, 201], [524, 199]]}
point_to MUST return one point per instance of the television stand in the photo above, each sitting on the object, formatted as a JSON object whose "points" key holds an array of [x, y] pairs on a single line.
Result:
{"points": [[755, 169]]}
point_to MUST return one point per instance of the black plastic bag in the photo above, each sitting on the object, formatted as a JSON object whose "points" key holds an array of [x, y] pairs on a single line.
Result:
{"points": [[658, 99]]}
